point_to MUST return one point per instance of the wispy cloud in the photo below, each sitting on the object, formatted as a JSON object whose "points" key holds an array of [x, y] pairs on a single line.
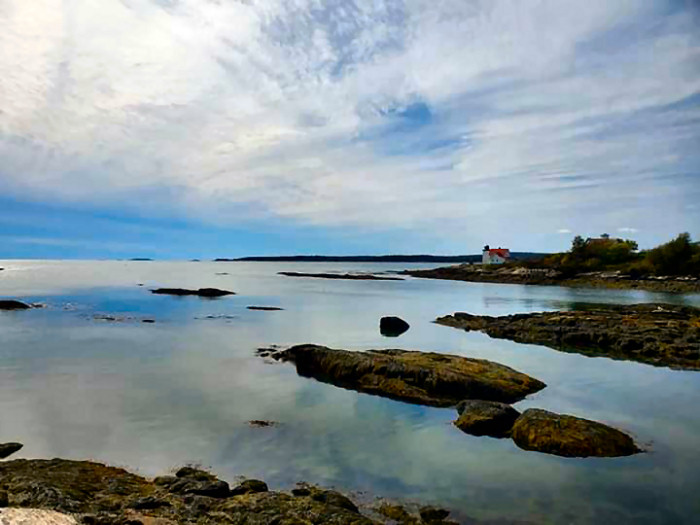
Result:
{"points": [[627, 229], [412, 115]]}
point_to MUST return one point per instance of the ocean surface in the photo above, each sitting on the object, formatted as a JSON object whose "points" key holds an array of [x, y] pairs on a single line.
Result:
{"points": [[151, 397]]}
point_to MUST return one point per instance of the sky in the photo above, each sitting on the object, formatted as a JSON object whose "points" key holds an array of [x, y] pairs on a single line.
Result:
{"points": [[182, 129]]}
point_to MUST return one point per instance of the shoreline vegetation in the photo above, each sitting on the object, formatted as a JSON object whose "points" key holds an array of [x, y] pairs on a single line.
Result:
{"points": [[604, 262]]}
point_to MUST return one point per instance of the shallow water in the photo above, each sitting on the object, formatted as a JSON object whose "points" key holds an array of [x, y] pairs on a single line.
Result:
{"points": [[154, 396]]}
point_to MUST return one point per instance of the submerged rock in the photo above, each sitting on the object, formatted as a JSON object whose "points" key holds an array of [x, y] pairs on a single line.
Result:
{"points": [[424, 378], [7, 449], [569, 436], [656, 334], [392, 326], [486, 418], [10, 304], [202, 292]]}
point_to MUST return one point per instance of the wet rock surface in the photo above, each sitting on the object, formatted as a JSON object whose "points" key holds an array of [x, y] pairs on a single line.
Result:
{"points": [[98, 494], [201, 292], [569, 436], [11, 304], [7, 449], [656, 334], [486, 418], [346, 276], [424, 378], [391, 326]]}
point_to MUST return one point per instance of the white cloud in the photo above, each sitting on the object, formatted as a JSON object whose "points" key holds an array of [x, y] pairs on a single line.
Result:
{"points": [[224, 111], [563, 230], [627, 230]]}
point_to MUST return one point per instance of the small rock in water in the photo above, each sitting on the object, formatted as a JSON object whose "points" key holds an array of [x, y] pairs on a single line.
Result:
{"points": [[486, 418], [261, 423], [201, 292], [148, 321], [569, 436], [11, 304], [7, 449], [265, 308], [392, 326]]}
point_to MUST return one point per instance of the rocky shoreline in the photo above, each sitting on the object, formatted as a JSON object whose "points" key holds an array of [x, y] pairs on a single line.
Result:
{"points": [[90, 493], [544, 277], [655, 334]]}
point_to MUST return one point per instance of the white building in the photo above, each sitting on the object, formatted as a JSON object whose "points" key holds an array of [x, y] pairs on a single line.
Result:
{"points": [[495, 255]]}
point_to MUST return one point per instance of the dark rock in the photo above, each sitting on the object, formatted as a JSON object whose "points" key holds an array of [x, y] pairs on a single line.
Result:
{"points": [[301, 491], [4, 500], [148, 321], [195, 473], [417, 377], [345, 276], [331, 497], [10, 304], [656, 334], [265, 308], [486, 418], [249, 486], [260, 423], [164, 481], [398, 514], [202, 292], [392, 326], [7, 449], [569, 436], [149, 503], [431, 514]]}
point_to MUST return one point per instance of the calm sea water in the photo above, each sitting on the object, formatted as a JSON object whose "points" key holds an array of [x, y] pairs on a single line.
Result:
{"points": [[151, 397]]}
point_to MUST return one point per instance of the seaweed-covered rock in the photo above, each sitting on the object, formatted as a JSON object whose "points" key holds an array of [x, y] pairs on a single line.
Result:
{"points": [[433, 514], [198, 482], [11, 304], [425, 378], [7, 449], [392, 326], [569, 436], [201, 292], [486, 418], [656, 334]]}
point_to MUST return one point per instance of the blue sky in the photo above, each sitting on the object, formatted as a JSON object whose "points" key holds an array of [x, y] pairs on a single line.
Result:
{"points": [[197, 129]]}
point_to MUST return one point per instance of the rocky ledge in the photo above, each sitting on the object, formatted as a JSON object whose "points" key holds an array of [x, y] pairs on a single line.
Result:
{"points": [[346, 276], [657, 334], [96, 494], [425, 378], [202, 292], [11, 304], [542, 276]]}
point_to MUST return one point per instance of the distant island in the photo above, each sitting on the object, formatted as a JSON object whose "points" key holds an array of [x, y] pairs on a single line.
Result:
{"points": [[381, 258]]}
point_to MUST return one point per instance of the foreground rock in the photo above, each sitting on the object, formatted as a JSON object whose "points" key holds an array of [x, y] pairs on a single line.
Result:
{"points": [[202, 292], [7, 449], [424, 378], [486, 418], [98, 494], [34, 517], [392, 326], [542, 276], [657, 334], [10, 304], [569, 436], [347, 276]]}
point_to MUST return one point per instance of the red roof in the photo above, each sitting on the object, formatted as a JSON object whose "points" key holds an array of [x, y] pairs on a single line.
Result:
{"points": [[501, 252]]}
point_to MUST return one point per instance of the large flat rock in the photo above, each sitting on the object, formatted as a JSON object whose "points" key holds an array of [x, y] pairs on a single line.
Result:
{"points": [[569, 436], [425, 378], [657, 334]]}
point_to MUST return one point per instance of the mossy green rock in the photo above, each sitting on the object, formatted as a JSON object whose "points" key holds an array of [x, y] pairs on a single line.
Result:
{"points": [[425, 378], [569, 436]]}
